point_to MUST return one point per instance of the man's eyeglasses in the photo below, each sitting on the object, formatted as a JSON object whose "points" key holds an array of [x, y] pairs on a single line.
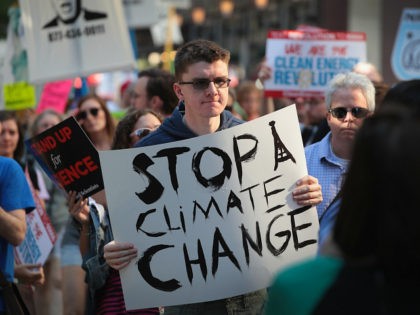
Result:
{"points": [[82, 115], [203, 84], [356, 112]]}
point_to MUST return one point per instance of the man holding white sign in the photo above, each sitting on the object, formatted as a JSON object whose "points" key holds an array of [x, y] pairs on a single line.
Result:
{"points": [[201, 71]]}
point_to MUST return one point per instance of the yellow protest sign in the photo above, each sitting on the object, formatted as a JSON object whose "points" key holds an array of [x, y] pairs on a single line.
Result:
{"points": [[19, 95]]}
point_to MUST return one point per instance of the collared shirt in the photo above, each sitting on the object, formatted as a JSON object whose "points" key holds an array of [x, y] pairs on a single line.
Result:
{"points": [[329, 169]]}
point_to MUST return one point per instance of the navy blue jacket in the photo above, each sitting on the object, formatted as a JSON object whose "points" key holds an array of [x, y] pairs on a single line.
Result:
{"points": [[174, 129]]}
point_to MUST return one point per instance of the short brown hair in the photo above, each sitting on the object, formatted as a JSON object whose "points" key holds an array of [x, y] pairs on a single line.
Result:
{"points": [[196, 51]]}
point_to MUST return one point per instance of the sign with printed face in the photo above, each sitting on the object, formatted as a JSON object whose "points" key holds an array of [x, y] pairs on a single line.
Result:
{"points": [[213, 216], [303, 63], [406, 52], [75, 38], [68, 157]]}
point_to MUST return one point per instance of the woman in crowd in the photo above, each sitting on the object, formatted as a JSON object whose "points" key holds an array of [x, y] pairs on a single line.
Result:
{"points": [[374, 269], [11, 137], [50, 300], [134, 126], [95, 119], [105, 291], [12, 146]]}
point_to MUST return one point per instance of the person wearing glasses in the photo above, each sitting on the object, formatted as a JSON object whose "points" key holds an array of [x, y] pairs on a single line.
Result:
{"points": [[48, 296], [201, 73], [350, 98], [104, 283], [134, 126], [97, 122]]}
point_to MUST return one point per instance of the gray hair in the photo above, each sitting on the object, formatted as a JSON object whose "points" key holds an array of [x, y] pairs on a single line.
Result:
{"points": [[351, 80]]}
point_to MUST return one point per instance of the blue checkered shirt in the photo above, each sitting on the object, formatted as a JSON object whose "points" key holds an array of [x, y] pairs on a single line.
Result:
{"points": [[328, 168]]}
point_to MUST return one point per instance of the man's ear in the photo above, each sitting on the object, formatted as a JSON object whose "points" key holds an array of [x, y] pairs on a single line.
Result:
{"points": [[178, 91]]}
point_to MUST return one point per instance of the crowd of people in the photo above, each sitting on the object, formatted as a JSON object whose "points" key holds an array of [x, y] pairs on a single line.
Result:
{"points": [[362, 157]]}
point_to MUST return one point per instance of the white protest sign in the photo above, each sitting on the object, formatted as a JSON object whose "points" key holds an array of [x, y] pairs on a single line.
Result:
{"points": [[77, 39], [180, 4], [304, 62], [160, 32], [212, 216], [143, 13], [406, 52], [13, 61], [14, 66]]}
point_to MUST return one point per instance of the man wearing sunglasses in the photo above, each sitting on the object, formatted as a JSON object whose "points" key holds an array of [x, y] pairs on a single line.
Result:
{"points": [[201, 73], [350, 98]]}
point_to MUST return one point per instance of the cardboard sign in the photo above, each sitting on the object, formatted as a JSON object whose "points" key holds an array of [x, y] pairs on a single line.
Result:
{"points": [[142, 13], [55, 96], [19, 95], [68, 157], [14, 66], [406, 52], [304, 62], [180, 4], [78, 40], [40, 234], [212, 216]]}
